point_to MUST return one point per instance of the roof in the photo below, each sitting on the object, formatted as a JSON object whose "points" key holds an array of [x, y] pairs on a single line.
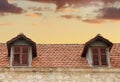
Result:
{"points": [[96, 38], [61, 55], [22, 36]]}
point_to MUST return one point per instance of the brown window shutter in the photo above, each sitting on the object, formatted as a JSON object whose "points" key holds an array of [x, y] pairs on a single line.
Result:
{"points": [[16, 54], [95, 60], [103, 56], [16, 49], [95, 56], [16, 60], [25, 52], [103, 60], [25, 49], [24, 59]]}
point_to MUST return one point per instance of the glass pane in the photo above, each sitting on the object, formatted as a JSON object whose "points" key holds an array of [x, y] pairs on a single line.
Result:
{"points": [[24, 59], [95, 51], [25, 49], [16, 59], [103, 51], [17, 49], [95, 60], [103, 60]]}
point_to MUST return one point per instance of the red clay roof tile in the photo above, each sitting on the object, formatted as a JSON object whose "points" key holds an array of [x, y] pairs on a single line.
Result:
{"points": [[60, 55]]}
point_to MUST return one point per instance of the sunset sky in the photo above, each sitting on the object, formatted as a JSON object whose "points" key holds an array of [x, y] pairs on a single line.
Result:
{"points": [[60, 21]]}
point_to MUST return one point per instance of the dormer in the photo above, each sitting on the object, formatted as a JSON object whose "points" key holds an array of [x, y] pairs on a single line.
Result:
{"points": [[21, 50], [97, 51]]}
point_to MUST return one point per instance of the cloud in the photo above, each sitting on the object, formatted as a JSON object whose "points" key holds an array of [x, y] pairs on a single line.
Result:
{"points": [[36, 24], [9, 8], [34, 15], [2, 14], [109, 1], [35, 8], [111, 13], [45, 1], [67, 16], [40, 8], [70, 16], [6, 24], [61, 3], [94, 21]]}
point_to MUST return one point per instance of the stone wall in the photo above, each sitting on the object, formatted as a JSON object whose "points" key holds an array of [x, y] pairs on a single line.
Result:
{"points": [[59, 74]]}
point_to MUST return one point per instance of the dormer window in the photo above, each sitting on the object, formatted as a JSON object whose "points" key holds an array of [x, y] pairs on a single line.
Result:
{"points": [[97, 52], [99, 56], [21, 50]]}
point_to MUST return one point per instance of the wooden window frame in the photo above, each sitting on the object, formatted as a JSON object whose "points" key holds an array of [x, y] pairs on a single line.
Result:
{"points": [[99, 56], [21, 54]]}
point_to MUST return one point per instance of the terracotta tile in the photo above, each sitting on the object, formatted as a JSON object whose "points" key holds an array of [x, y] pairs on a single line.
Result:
{"points": [[60, 55]]}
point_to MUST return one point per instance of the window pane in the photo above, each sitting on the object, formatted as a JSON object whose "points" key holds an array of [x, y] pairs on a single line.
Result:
{"points": [[16, 59], [25, 49], [24, 59], [103, 51], [95, 51], [103, 60], [95, 60], [17, 50]]}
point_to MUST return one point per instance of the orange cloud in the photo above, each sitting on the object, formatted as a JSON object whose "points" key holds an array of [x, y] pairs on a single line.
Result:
{"points": [[36, 24], [68, 10], [95, 21], [67, 16], [6, 24], [34, 15]]}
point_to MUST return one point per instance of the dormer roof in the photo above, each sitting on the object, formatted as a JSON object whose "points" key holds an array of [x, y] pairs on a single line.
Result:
{"points": [[21, 36]]}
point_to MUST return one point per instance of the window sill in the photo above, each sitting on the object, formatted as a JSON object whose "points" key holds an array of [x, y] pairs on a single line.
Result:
{"points": [[100, 67]]}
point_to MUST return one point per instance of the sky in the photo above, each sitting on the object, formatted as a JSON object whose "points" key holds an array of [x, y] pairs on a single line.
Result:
{"points": [[60, 21]]}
